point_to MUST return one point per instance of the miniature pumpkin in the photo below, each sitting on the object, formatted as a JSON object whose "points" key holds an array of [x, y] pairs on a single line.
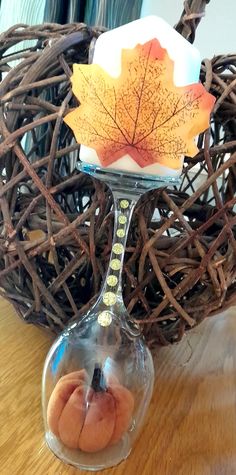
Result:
{"points": [[89, 417]]}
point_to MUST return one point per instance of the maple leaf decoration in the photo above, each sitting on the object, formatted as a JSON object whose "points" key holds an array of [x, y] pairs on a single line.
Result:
{"points": [[141, 113]]}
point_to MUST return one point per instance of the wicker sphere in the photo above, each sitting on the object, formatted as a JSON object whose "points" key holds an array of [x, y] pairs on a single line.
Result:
{"points": [[56, 223]]}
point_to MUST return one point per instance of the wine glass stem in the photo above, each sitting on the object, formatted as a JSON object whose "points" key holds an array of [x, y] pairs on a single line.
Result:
{"points": [[112, 287]]}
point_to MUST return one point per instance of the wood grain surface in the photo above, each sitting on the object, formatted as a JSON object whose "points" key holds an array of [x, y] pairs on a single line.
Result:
{"points": [[191, 425]]}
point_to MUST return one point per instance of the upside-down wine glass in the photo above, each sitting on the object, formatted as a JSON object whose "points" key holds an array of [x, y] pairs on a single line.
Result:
{"points": [[113, 396], [98, 375]]}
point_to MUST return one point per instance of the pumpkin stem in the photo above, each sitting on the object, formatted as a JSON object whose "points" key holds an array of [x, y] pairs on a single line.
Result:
{"points": [[98, 382]]}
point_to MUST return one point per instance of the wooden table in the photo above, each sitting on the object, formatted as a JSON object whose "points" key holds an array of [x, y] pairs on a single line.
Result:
{"points": [[191, 425]]}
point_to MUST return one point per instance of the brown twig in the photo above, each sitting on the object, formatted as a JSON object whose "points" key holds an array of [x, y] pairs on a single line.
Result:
{"points": [[179, 269]]}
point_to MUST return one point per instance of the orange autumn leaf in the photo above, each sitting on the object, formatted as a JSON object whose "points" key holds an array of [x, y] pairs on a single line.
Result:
{"points": [[141, 113]]}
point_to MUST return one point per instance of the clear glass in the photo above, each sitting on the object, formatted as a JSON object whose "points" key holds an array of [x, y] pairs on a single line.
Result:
{"points": [[98, 375]]}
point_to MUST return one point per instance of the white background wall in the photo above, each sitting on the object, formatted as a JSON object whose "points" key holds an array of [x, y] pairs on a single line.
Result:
{"points": [[209, 39]]}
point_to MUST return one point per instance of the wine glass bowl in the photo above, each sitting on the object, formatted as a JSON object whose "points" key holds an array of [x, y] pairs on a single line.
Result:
{"points": [[117, 364]]}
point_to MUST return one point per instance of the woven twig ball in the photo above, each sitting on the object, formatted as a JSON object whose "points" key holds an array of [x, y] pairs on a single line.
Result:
{"points": [[56, 223]]}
